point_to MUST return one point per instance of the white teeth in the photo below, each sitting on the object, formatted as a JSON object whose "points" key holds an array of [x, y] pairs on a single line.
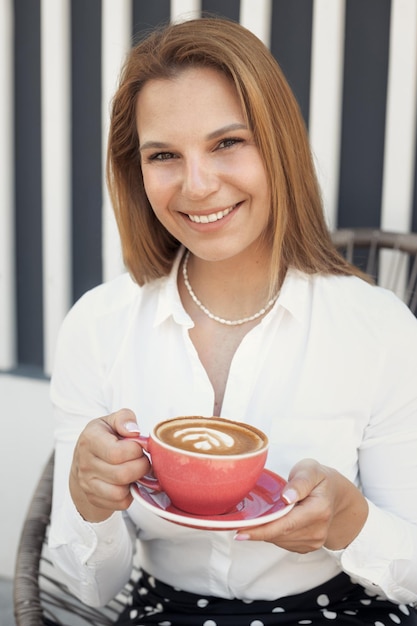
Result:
{"points": [[213, 217]]}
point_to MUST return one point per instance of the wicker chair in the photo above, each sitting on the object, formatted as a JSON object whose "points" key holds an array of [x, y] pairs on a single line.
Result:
{"points": [[39, 599], [390, 258]]}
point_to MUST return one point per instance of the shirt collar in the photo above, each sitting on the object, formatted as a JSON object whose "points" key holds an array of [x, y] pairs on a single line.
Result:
{"points": [[169, 301], [295, 293]]}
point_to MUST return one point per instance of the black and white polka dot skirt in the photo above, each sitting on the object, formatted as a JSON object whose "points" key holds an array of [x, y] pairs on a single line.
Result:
{"points": [[337, 600]]}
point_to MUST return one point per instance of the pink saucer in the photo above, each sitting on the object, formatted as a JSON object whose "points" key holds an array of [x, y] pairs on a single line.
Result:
{"points": [[262, 505]]}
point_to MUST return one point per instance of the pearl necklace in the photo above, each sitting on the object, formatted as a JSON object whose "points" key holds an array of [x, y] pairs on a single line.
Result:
{"points": [[216, 318]]}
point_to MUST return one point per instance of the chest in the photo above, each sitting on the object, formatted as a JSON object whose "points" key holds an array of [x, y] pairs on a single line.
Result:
{"points": [[277, 375], [216, 345]]}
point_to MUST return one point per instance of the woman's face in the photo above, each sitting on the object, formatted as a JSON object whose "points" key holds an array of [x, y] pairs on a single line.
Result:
{"points": [[202, 171]]}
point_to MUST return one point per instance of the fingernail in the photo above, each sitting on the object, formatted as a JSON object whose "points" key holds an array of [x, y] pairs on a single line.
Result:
{"points": [[290, 496], [132, 427], [241, 537]]}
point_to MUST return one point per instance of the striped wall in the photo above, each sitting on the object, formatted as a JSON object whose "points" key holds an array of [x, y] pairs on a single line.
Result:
{"points": [[351, 63]]}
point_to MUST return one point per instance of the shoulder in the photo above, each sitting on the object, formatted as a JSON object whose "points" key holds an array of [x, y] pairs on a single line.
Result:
{"points": [[348, 304], [354, 294], [93, 331], [112, 303], [107, 298], [101, 314], [358, 308]]}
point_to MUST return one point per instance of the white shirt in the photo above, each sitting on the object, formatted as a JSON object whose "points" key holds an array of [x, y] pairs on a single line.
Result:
{"points": [[329, 373]]}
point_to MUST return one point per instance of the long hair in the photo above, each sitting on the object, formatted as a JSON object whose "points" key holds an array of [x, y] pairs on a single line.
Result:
{"points": [[297, 233]]}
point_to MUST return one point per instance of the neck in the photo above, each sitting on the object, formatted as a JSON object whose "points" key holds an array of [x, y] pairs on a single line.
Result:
{"points": [[232, 289]]}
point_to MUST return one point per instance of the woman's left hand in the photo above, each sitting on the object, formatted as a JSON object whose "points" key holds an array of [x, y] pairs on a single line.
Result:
{"points": [[329, 511]]}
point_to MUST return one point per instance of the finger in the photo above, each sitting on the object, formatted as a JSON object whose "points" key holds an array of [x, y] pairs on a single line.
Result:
{"points": [[100, 442], [299, 531], [105, 480], [123, 423], [276, 530], [131, 465], [108, 496], [303, 479]]}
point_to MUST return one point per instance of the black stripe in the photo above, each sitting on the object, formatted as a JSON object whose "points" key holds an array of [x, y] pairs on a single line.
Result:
{"points": [[364, 107], [86, 145], [146, 15], [229, 9], [28, 191], [291, 32]]}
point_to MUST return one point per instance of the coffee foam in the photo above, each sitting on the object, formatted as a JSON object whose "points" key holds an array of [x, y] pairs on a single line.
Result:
{"points": [[204, 439], [210, 436]]}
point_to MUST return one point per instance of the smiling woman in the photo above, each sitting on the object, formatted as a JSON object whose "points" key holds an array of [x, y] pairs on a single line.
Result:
{"points": [[236, 305], [167, 67], [207, 185]]}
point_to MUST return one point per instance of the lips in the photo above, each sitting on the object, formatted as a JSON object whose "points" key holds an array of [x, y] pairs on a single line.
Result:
{"points": [[211, 217]]}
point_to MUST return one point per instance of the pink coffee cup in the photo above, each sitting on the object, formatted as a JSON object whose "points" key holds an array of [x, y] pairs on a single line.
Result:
{"points": [[206, 465]]}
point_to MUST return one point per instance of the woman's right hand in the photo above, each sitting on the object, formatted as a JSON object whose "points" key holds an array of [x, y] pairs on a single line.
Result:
{"points": [[104, 464]]}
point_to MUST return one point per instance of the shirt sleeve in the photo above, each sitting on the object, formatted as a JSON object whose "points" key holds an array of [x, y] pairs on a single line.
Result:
{"points": [[395, 572], [94, 560], [383, 557]]}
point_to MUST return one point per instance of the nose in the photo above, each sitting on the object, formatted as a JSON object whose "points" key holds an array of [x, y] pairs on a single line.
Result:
{"points": [[200, 178]]}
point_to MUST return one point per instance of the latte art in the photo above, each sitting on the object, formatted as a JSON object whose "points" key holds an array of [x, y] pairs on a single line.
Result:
{"points": [[203, 439], [210, 435]]}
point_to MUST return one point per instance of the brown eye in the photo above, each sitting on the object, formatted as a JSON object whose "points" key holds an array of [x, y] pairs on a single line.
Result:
{"points": [[162, 156], [230, 142]]}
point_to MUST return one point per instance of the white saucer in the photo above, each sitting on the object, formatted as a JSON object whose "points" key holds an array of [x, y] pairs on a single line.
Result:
{"points": [[262, 505]]}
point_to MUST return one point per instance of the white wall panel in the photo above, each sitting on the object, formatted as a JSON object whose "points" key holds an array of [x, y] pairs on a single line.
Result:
{"points": [[56, 169], [116, 40], [400, 131], [256, 16], [185, 9], [7, 266], [400, 134], [326, 97]]}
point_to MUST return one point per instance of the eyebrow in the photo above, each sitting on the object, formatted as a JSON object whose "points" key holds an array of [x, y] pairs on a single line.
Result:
{"points": [[227, 129], [160, 145]]}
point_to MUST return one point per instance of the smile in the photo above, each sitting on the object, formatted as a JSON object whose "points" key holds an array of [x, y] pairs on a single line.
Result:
{"points": [[212, 217]]}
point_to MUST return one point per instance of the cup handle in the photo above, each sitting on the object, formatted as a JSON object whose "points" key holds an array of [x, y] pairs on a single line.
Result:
{"points": [[149, 480], [142, 440]]}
